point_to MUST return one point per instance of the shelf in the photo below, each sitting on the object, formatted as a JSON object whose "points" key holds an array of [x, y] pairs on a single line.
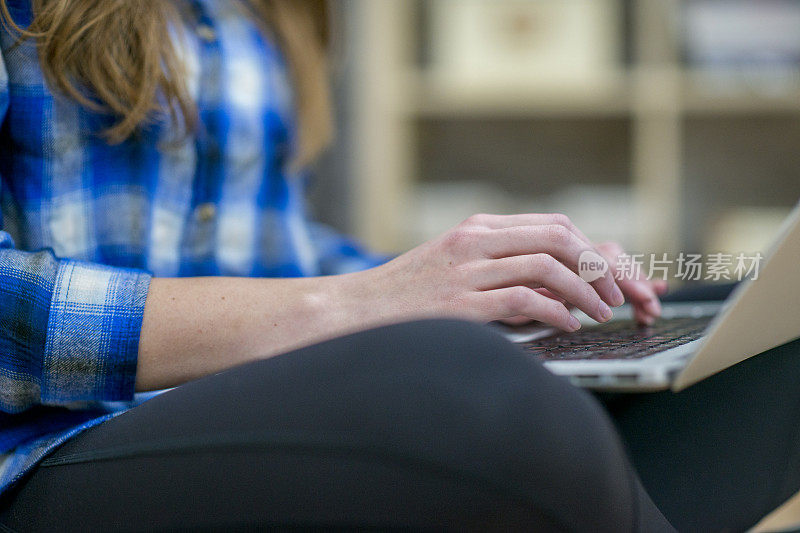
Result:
{"points": [[436, 96], [726, 92], [697, 92], [652, 107]]}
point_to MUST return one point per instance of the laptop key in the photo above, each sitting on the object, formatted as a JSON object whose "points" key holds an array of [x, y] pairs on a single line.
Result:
{"points": [[622, 339]]}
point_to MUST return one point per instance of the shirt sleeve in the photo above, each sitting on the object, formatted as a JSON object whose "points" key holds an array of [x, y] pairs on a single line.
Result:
{"points": [[339, 254], [69, 331]]}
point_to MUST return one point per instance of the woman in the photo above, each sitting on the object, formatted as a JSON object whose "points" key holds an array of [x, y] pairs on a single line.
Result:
{"points": [[155, 237]]}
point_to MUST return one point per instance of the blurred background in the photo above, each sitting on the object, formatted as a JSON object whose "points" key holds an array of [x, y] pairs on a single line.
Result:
{"points": [[667, 125]]}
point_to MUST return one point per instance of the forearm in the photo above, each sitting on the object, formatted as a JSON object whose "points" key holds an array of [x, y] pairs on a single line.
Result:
{"points": [[193, 327], [486, 268]]}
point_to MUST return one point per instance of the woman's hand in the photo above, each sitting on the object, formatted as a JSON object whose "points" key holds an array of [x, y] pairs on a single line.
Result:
{"points": [[486, 268], [641, 293], [493, 267]]}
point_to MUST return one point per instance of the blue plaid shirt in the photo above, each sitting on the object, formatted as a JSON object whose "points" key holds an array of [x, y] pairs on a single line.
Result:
{"points": [[85, 225]]}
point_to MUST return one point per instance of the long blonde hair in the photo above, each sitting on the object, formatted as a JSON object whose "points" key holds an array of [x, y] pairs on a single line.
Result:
{"points": [[117, 57]]}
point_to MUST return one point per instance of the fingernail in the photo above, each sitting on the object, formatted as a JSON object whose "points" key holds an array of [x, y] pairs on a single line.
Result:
{"points": [[574, 323], [617, 297], [605, 311]]}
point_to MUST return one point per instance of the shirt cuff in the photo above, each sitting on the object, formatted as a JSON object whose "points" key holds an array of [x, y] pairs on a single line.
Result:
{"points": [[93, 332]]}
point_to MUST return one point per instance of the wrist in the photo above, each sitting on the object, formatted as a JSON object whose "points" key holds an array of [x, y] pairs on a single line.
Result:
{"points": [[346, 303]]}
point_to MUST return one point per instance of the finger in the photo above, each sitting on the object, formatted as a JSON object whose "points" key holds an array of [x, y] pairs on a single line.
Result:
{"points": [[642, 293], [642, 317], [518, 320], [642, 296], [660, 286], [514, 301], [554, 240], [612, 251], [541, 271], [523, 240], [545, 292], [531, 219]]}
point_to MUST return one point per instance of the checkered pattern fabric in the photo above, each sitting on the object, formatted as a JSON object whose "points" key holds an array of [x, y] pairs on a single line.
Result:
{"points": [[86, 224]]}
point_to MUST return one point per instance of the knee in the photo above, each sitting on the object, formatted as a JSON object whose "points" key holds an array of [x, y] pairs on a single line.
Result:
{"points": [[459, 396], [553, 445], [470, 399]]}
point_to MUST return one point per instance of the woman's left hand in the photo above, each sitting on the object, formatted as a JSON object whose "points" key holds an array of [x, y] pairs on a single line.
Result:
{"points": [[639, 291]]}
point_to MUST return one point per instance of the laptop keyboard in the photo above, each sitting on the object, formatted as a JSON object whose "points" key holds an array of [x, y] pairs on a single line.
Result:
{"points": [[621, 339]]}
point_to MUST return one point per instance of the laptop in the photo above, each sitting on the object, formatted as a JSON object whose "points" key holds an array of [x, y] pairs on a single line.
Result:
{"points": [[691, 340]]}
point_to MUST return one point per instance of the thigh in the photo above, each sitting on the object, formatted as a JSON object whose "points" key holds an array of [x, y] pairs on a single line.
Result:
{"points": [[726, 451], [428, 425]]}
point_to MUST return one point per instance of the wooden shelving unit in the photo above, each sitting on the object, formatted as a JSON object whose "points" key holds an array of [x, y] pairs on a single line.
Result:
{"points": [[655, 94]]}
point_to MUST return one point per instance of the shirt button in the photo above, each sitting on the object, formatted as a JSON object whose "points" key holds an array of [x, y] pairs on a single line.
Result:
{"points": [[206, 212], [206, 33]]}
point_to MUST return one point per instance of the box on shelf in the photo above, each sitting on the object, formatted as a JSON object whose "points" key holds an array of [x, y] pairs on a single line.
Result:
{"points": [[743, 44], [537, 43]]}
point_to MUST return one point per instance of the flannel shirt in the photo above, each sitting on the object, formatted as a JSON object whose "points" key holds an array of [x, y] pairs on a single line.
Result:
{"points": [[86, 224]]}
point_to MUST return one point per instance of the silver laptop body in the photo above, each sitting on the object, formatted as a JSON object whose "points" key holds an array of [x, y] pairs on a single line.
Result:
{"points": [[760, 314]]}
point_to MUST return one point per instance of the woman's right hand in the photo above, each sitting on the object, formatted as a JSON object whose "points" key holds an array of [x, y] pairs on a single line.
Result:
{"points": [[486, 268], [492, 267]]}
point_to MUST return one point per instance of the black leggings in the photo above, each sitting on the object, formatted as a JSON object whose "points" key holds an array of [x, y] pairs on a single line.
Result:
{"points": [[428, 425], [723, 453], [435, 424]]}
